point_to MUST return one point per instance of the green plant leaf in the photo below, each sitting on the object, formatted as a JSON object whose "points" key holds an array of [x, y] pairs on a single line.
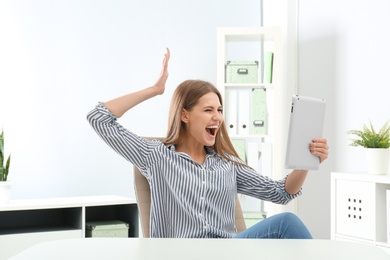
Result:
{"points": [[4, 168], [369, 138], [1, 155]]}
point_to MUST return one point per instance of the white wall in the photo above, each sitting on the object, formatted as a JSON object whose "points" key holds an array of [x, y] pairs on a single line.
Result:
{"points": [[283, 13], [59, 58], [344, 57]]}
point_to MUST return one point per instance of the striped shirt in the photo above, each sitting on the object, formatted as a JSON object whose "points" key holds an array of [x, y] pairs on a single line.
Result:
{"points": [[188, 199]]}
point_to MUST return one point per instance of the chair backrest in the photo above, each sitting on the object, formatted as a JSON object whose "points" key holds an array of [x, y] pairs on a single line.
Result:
{"points": [[142, 191]]}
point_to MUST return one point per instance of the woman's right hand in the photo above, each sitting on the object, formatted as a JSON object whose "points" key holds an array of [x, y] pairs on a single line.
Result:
{"points": [[160, 83]]}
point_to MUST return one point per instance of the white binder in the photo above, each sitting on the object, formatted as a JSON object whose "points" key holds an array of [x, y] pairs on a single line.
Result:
{"points": [[266, 159], [253, 155], [231, 111], [243, 112]]}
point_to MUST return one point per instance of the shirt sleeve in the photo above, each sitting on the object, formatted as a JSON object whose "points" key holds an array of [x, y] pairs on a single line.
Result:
{"points": [[129, 145], [253, 184]]}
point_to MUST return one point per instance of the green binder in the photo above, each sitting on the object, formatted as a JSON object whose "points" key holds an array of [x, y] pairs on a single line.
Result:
{"points": [[268, 67], [259, 121], [239, 146]]}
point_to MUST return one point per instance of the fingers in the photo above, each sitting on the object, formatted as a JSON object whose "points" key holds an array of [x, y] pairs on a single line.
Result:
{"points": [[320, 148], [168, 53], [167, 56]]}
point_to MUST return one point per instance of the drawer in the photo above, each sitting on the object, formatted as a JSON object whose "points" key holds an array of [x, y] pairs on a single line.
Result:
{"points": [[355, 209]]}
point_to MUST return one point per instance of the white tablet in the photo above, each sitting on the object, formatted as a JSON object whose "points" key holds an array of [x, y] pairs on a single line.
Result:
{"points": [[306, 123]]}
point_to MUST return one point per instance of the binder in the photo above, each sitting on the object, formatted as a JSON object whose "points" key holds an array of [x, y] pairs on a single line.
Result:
{"points": [[259, 116], [253, 157], [243, 112], [268, 66], [266, 159], [239, 146], [231, 111]]}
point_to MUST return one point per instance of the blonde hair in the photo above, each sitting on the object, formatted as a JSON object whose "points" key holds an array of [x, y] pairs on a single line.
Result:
{"points": [[186, 96]]}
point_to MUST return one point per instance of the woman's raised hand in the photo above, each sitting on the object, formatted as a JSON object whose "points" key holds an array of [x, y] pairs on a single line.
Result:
{"points": [[160, 83]]}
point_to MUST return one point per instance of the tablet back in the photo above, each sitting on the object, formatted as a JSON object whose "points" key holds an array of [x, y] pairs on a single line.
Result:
{"points": [[306, 123]]}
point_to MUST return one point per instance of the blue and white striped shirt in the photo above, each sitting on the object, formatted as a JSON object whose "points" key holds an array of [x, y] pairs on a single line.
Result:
{"points": [[188, 199]]}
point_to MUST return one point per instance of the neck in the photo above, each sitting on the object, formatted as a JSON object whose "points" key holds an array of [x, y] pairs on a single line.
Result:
{"points": [[195, 150]]}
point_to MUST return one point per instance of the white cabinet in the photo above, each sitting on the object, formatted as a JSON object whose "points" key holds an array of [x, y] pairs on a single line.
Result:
{"points": [[260, 148], [24, 223], [358, 208]]}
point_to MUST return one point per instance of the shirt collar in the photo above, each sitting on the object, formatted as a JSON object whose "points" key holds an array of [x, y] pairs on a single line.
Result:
{"points": [[209, 150]]}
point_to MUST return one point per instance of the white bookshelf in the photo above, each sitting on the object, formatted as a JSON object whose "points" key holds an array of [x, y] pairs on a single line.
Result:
{"points": [[24, 223], [249, 44]]}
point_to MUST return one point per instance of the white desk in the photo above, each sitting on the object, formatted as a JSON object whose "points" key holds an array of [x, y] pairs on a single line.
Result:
{"points": [[188, 249]]}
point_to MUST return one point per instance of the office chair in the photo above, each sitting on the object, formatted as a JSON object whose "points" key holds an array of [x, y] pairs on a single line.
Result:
{"points": [[142, 191]]}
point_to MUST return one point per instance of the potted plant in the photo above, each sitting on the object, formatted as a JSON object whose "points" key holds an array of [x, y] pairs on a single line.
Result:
{"points": [[5, 185], [377, 145]]}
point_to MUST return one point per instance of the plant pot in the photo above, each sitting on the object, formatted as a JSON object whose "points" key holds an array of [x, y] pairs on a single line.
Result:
{"points": [[5, 191], [378, 160]]}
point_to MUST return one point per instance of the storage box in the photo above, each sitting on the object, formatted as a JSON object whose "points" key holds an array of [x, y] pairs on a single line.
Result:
{"points": [[242, 71], [112, 228]]}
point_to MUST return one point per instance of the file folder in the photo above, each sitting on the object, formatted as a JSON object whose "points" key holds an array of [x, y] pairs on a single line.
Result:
{"points": [[268, 67], [253, 157], [243, 111], [266, 159], [259, 115], [239, 146], [231, 112]]}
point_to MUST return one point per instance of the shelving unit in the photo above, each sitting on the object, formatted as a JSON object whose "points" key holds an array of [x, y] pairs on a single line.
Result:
{"points": [[358, 208], [24, 223], [261, 150]]}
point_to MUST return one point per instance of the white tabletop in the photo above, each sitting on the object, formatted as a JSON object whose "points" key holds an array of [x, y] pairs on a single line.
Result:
{"points": [[65, 202], [188, 249]]}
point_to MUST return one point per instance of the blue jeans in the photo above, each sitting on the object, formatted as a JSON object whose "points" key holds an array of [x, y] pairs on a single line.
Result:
{"points": [[283, 225]]}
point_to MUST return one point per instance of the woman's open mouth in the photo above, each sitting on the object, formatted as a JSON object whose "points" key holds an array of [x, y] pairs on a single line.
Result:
{"points": [[212, 130]]}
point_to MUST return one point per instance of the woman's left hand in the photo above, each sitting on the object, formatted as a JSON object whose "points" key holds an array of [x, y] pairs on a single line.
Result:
{"points": [[320, 148], [162, 79]]}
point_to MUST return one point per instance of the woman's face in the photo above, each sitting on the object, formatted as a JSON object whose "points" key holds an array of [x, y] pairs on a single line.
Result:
{"points": [[204, 120]]}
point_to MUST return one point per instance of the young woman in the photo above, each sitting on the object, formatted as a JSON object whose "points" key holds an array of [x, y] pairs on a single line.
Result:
{"points": [[195, 174]]}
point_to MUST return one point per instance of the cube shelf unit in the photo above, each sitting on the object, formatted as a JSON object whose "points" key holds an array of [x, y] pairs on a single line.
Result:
{"points": [[358, 208], [251, 44], [24, 223]]}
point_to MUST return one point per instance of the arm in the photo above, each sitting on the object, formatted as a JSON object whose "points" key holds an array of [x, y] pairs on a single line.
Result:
{"points": [[296, 178], [103, 120], [121, 105]]}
